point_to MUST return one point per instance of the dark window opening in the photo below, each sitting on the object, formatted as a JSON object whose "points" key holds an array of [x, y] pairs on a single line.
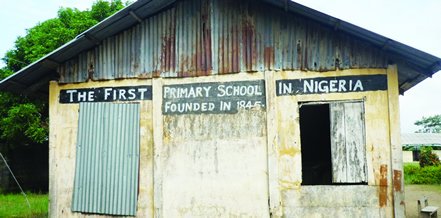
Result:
{"points": [[315, 144]]}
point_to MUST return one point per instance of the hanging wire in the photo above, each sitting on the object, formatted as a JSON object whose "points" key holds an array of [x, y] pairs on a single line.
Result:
{"points": [[26, 197], [13, 59]]}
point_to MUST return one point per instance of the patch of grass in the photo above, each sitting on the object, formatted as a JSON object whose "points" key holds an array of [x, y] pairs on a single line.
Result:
{"points": [[14, 205], [414, 174], [415, 163]]}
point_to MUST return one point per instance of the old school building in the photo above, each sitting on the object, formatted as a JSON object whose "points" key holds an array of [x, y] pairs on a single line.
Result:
{"points": [[210, 108]]}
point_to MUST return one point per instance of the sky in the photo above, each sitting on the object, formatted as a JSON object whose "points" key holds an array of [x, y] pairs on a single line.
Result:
{"points": [[414, 23]]}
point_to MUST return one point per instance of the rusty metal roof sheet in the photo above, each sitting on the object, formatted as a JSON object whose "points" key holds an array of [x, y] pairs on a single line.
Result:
{"points": [[413, 65]]}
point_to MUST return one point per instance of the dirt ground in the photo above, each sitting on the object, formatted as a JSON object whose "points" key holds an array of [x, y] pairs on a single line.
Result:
{"points": [[415, 192]]}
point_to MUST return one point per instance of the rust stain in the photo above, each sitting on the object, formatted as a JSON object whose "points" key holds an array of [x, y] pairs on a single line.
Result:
{"points": [[183, 62], [397, 180], [167, 53], [232, 52], [221, 56], [383, 185], [268, 57], [248, 31], [145, 75], [167, 56], [206, 39], [299, 54]]}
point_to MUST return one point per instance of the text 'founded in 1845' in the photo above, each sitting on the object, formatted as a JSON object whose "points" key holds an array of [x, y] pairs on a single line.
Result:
{"points": [[213, 98]]}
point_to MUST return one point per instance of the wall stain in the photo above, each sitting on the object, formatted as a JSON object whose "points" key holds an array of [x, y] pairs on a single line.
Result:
{"points": [[383, 185], [397, 180], [290, 151], [288, 185]]}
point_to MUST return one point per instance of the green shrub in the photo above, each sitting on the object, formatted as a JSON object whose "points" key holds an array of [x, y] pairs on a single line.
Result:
{"points": [[427, 158], [413, 174]]}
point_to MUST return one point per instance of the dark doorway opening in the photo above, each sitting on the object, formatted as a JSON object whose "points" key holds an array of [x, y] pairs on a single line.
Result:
{"points": [[315, 139]]}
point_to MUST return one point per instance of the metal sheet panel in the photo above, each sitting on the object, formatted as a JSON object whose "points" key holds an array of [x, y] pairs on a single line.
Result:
{"points": [[193, 38], [107, 159], [229, 35], [158, 42], [418, 139], [205, 37], [256, 36], [201, 37]]}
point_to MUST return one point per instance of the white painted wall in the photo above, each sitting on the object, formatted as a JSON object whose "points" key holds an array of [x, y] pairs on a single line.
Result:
{"points": [[407, 156]]}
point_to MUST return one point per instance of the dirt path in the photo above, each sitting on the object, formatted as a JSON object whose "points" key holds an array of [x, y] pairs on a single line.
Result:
{"points": [[415, 192]]}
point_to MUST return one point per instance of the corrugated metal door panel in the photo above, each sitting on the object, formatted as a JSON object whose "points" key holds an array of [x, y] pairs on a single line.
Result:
{"points": [[348, 142], [107, 159]]}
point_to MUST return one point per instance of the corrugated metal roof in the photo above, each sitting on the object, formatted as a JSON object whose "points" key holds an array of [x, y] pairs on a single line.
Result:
{"points": [[413, 65], [421, 139], [195, 38]]}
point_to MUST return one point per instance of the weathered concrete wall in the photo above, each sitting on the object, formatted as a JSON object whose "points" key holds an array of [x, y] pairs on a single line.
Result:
{"points": [[211, 165], [297, 200], [333, 201], [235, 163], [63, 136]]}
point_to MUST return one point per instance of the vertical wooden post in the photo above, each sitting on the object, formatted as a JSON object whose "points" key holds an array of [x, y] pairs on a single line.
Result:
{"points": [[52, 157], [272, 151], [395, 142], [157, 146]]}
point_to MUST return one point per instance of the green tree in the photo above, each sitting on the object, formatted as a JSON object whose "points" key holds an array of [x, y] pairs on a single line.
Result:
{"points": [[430, 124], [24, 121], [51, 34], [428, 158]]}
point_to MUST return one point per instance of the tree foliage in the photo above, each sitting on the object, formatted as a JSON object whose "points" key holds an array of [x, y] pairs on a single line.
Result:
{"points": [[428, 158], [51, 34], [430, 124], [24, 121]]}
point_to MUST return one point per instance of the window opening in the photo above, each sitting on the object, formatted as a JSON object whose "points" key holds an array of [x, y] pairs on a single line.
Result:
{"points": [[315, 144], [332, 138]]}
